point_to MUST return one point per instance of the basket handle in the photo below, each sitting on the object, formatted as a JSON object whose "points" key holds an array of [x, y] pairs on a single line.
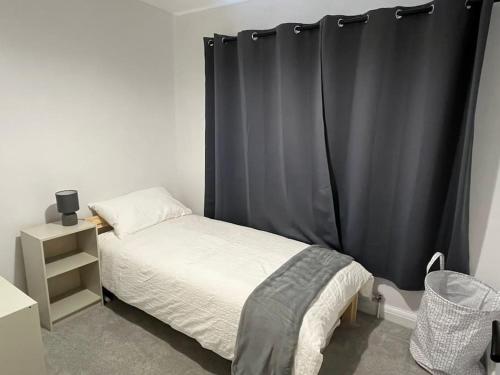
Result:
{"points": [[433, 260]]}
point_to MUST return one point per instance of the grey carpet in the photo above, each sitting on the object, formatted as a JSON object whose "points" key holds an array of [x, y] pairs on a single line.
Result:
{"points": [[119, 339]]}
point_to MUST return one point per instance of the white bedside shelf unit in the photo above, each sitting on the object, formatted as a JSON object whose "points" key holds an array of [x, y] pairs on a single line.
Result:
{"points": [[62, 268]]}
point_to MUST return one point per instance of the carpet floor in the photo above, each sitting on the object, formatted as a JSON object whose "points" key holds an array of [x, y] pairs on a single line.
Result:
{"points": [[119, 339]]}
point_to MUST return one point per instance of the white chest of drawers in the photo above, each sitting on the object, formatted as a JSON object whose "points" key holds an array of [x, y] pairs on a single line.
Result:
{"points": [[21, 348]]}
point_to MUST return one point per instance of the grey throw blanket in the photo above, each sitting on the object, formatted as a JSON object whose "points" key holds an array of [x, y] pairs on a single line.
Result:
{"points": [[272, 316]]}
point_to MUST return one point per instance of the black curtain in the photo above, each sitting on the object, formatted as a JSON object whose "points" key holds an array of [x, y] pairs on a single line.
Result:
{"points": [[269, 150], [355, 133]]}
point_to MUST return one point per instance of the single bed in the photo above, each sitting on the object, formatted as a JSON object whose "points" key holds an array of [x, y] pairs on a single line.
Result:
{"points": [[195, 274]]}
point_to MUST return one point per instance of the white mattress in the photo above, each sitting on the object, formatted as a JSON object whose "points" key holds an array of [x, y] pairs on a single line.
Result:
{"points": [[195, 274]]}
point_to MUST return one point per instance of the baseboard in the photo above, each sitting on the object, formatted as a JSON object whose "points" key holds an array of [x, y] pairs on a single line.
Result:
{"points": [[491, 368], [490, 365], [391, 313]]}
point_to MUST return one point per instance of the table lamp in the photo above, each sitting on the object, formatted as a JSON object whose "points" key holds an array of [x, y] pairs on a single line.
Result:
{"points": [[67, 204]]}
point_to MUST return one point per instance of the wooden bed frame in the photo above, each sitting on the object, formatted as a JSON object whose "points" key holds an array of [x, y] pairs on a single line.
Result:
{"points": [[101, 224], [348, 314]]}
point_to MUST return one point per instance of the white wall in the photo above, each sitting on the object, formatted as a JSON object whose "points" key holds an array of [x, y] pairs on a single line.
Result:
{"points": [[86, 101], [485, 189], [189, 86]]}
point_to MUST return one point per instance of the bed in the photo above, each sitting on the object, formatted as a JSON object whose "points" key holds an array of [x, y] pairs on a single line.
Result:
{"points": [[195, 274]]}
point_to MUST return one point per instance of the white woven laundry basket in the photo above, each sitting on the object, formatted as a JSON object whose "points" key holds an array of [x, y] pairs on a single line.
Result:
{"points": [[454, 322]]}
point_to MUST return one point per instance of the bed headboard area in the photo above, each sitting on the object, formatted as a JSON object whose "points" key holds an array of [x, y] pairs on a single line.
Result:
{"points": [[101, 224]]}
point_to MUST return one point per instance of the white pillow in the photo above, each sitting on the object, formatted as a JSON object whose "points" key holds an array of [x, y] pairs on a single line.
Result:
{"points": [[138, 210]]}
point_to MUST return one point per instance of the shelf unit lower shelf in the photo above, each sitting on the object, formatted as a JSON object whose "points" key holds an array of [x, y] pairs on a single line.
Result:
{"points": [[73, 303]]}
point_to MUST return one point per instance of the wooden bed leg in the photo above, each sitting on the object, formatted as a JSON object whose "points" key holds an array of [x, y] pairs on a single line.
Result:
{"points": [[350, 313]]}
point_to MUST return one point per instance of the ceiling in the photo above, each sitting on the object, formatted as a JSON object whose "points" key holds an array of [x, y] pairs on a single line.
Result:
{"points": [[180, 7]]}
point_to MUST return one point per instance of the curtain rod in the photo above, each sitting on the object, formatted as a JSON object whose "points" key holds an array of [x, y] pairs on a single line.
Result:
{"points": [[363, 18]]}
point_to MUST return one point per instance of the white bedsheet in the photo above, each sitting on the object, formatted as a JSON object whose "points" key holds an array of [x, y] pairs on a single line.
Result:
{"points": [[195, 274]]}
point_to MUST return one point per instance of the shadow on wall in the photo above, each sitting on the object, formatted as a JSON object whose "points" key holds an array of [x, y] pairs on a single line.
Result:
{"points": [[51, 215], [402, 299], [19, 271]]}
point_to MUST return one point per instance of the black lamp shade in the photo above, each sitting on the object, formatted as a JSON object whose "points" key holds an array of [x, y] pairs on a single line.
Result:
{"points": [[67, 201]]}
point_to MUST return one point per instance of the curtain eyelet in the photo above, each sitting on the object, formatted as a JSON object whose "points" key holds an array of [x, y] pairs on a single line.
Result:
{"points": [[398, 14], [367, 18], [296, 29], [223, 40], [254, 36], [211, 43], [340, 22], [468, 5]]}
